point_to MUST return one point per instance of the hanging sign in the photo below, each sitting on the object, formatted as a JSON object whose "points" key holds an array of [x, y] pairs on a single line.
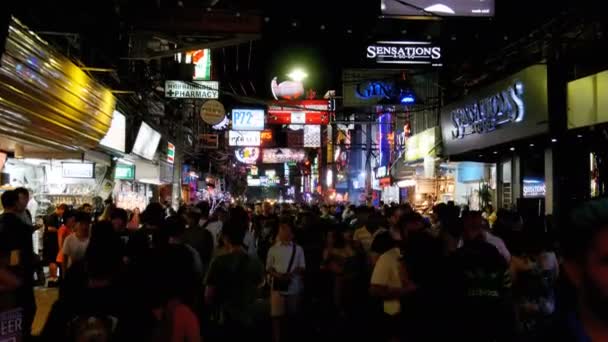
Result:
{"points": [[192, 90], [170, 153], [247, 155], [244, 138], [209, 141], [312, 136], [213, 112], [248, 119], [313, 112], [282, 155], [124, 171], [78, 170], [404, 52]]}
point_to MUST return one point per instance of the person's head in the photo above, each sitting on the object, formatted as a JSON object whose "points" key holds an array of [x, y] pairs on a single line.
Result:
{"points": [[83, 224], [233, 233], [472, 225], [87, 208], [324, 210], [489, 208], [174, 229], [267, 208], [412, 223], [257, 209], [221, 214], [383, 242], [393, 215], [153, 216], [585, 250], [69, 219], [285, 234], [61, 209], [24, 199], [203, 207], [10, 200], [119, 219]]}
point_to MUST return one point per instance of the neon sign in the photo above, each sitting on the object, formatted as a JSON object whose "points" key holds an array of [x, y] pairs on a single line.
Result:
{"points": [[488, 114], [375, 89]]}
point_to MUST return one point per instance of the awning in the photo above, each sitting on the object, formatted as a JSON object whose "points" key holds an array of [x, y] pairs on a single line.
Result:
{"points": [[46, 99]]}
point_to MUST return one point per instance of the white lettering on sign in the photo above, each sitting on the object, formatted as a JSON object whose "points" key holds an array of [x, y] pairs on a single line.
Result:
{"points": [[192, 90], [404, 52], [488, 114], [534, 188], [244, 138], [298, 117], [248, 119]]}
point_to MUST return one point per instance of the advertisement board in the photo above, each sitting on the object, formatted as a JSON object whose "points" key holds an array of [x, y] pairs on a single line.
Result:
{"points": [[244, 138], [248, 119], [423, 144], [78, 170], [455, 8], [192, 90], [313, 112], [124, 171], [404, 53], [247, 155], [170, 153], [212, 112], [115, 138], [510, 109], [282, 155], [146, 142]]}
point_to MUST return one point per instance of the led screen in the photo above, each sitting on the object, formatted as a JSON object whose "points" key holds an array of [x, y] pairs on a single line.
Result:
{"points": [[442, 8]]}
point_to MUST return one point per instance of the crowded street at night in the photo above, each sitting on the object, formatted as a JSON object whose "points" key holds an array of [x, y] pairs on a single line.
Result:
{"points": [[245, 170]]}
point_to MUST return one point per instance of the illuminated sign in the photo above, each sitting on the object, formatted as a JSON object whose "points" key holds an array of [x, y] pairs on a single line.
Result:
{"points": [[78, 170], [222, 125], [247, 155], [192, 90], [381, 172], [266, 138], [201, 60], [534, 188], [248, 119], [115, 138], [244, 138], [288, 90], [124, 171], [488, 114], [282, 155], [405, 52], [312, 112], [421, 145], [376, 90], [170, 153], [448, 8], [406, 183]]}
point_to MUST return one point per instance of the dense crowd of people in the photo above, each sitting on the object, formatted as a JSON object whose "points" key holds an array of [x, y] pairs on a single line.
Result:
{"points": [[295, 272]]}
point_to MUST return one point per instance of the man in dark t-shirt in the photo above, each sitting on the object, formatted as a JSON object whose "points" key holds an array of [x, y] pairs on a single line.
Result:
{"points": [[482, 284], [16, 263]]}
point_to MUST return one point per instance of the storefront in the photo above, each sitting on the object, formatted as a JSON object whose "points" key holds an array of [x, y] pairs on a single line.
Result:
{"points": [[53, 117], [587, 167], [503, 129]]}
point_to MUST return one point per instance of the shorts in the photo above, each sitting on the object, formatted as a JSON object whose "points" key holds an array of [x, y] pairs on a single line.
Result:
{"points": [[283, 305]]}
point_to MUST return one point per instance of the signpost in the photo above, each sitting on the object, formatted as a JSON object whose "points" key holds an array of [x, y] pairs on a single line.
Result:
{"points": [[192, 90]]}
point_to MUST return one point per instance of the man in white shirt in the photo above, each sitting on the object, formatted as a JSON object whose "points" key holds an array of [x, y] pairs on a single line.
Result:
{"points": [[75, 245], [390, 282], [286, 264]]}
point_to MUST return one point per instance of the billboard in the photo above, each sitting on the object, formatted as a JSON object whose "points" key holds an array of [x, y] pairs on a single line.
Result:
{"points": [[441, 8], [248, 119], [244, 138]]}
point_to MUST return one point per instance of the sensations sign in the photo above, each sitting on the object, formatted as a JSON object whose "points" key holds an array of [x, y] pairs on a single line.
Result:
{"points": [[405, 52], [489, 113]]}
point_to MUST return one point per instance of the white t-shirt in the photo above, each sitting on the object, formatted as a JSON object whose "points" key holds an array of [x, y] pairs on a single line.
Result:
{"points": [[278, 258], [215, 228], [74, 248], [387, 272]]}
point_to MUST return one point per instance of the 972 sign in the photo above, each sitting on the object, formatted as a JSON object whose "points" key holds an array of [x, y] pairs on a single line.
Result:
{"points": [[248, 119]]}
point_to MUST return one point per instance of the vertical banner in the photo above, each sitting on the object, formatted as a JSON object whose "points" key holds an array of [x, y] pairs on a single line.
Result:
{"points": [[312, 136]]}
